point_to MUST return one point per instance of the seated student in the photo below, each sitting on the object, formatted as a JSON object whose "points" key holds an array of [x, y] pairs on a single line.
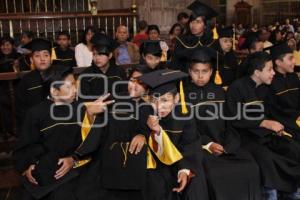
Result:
{"points": [[63, 54], [153, 33], [174, 164], [31, 89], [277, 155], [49, 137], [8, 55], [123, 154], [151, 54], [231, 172], [227, 61], [103, 73], [26, 37], [127, 52], [286, 91]]}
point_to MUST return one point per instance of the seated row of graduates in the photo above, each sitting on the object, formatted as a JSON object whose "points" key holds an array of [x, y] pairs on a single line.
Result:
{"points": [[188, 158]]}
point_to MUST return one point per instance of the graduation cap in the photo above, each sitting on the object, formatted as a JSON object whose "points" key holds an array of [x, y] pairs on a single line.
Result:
{"points": [[103, 43], [164, 81], [226, 32], [39, 44], [151, 47], [279, 49], [200, 9], [250, 39]]}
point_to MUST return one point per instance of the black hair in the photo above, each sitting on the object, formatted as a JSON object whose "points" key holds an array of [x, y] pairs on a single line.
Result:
{"points": [[55, 74], [29, 34], [153, 27], [99, 49], [203, 60], [182, 15], [7, 39], [174, 26], [143, 69], [257, 61], [142, 25], [64, 33], [89, 28]]}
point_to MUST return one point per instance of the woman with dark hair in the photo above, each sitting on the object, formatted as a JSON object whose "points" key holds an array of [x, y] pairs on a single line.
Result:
{"points": [[83, 51], [175, 31], [199, 34]]}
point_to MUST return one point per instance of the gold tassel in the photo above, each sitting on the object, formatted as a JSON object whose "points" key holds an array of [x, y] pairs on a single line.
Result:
{"points": [[233, 40], [53, 54], [215, 33], [218, 78], [287, 134], [169, 156], [32, 67], [298, 122], [184, 109], [163, 57]]}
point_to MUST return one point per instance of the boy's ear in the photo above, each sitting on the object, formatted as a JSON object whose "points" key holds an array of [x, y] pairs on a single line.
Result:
{"points": [[110, 55], [53, 91], [278, 62], [177, 98]]}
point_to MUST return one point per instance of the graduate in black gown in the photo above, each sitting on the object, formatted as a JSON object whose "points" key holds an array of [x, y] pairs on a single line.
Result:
{"points": [[122, 150], [103, 75], [174, 162], [199, 34], [151, 54], [276, 152], [231, 172], [286, 90], [227, 65], [31, 89], [50, 135], [63, 54]]}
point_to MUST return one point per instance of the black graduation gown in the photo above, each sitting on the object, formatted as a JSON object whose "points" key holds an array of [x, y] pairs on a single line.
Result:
{"points": [[49, 132], [285, 104], [30, 91], [161, 180], [65, 57], [233, 175], [183, 47], [93, 86], [228, 65], [277, 157]]}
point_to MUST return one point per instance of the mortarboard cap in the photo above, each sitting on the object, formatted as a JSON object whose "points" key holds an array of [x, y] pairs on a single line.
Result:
{"points": [[39, 44], [226, 32], [279, 49], [151, 47], [200, 9], [203, 55], [103, 43]]}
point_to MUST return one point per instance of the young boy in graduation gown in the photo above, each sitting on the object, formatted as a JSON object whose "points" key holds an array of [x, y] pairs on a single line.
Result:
{"points": [[274, 149], [231, 172], [286, 90], [102, 76], [49, 137], [63, 54], [226, 66], [31, 89], [199, 34], [151, 53], [173, 161], [122, 149]]}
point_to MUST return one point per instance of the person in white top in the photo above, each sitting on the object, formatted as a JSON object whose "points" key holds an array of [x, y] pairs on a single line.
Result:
{"points": [[83, 51]]}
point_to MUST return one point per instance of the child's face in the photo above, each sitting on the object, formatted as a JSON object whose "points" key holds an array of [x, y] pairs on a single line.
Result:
{"points": [[287, 64], [151, 60], [63, 41], [164, 104], [101, 60], [197, 26], [267, 73], [135, 88], [226, 44], [41, 59], [153, 35], [89, 35], [6, 48], [200, 73], [67, 92]]}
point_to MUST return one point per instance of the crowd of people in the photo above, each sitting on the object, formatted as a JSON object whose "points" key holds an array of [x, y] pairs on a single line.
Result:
{"points": [[207, 113]]}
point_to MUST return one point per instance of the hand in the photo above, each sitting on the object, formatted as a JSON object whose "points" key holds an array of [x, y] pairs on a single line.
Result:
{"points": [[216, 149], [66, 165], [98, 106], [28, 174], [182, 180], [137, 144], [273, 126], [153, 123]]}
